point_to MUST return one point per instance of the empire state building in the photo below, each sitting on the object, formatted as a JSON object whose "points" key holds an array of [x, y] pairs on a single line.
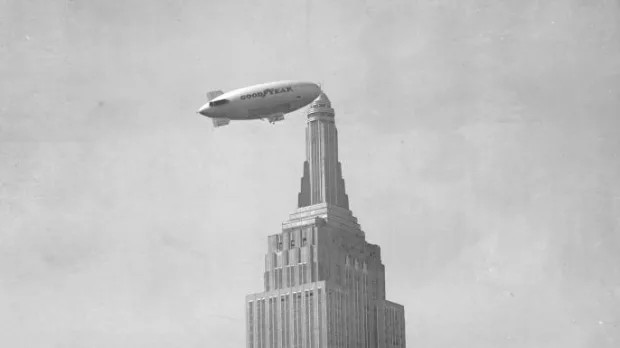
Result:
{"points": [[324, 284]]}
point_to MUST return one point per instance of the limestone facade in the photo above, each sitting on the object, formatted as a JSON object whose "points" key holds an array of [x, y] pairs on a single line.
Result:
{"points": [[324, 284]]}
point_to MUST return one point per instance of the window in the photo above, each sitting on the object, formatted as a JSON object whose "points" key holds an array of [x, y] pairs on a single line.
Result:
{"points": [[218, 102]]}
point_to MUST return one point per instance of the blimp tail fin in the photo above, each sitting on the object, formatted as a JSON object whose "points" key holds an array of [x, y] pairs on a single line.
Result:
{"points": [[219, 122], [214, 94]]}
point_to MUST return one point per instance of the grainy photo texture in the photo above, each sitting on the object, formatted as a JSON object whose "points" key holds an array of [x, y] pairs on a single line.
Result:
{"points": [[310, 173]]}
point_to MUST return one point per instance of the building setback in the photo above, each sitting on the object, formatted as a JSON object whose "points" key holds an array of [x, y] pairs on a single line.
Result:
{"points": [[324, 284]]}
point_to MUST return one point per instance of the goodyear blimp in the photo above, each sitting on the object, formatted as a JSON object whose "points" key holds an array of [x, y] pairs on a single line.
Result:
{"points": [[268, 101]]}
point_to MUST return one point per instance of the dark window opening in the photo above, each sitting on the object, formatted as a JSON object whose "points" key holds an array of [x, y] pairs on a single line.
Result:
{"points": [[218, 102]]}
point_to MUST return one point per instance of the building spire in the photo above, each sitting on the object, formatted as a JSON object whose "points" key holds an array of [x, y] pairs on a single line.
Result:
{"points": [[320, 267], [322, 181]]}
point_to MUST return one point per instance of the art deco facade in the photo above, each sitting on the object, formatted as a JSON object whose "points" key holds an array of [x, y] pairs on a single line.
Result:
{"points": [[324, 284]]}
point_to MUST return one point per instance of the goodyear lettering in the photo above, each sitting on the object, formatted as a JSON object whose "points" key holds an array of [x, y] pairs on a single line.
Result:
{"points": [[266, 92]]}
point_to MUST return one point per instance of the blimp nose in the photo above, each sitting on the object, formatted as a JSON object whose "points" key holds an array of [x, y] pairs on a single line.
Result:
{"points": [[316, 90], [203, 110]]}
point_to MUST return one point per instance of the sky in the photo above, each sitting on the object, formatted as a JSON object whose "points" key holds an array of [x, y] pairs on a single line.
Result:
{"points": [[479, 142]]}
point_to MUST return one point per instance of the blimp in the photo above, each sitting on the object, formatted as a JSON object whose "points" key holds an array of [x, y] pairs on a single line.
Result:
{"points": [[267, 101]]}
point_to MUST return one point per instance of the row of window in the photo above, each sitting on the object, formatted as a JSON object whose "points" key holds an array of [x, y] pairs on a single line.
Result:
{"points": [[268, 322], [304, 242], [284, 277], [306, 236]]}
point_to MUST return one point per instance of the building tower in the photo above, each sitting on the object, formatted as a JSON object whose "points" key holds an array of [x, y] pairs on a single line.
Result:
{"points": [[324, 284]]}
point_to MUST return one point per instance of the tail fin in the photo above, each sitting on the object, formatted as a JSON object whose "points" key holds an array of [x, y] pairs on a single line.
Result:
{"points": [[219, 122], [214, 94]]}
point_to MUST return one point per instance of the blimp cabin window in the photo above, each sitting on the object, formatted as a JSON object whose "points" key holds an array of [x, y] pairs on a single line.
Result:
{"points": [[218, 102]]}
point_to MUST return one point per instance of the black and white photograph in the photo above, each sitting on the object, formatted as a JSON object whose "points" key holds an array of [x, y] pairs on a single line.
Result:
{"points": [[310, 173]]}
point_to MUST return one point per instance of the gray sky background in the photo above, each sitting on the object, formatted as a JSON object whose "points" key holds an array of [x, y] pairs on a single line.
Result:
{"points": [[479, 142]]}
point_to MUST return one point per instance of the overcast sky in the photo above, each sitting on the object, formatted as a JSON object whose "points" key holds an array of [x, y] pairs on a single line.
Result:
{"points": [[479, 142]]}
